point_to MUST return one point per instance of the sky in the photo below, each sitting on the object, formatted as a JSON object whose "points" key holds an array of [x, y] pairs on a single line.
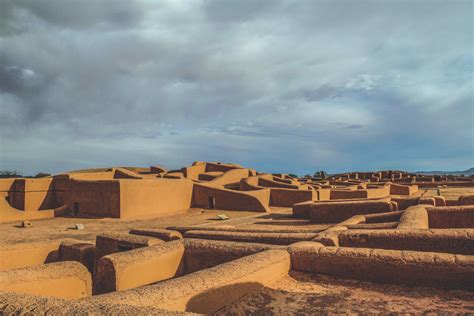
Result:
{"points": [[280, 86]]}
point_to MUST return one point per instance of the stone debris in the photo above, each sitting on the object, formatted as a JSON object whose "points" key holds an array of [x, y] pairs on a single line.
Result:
{"points": [[26, 224]]}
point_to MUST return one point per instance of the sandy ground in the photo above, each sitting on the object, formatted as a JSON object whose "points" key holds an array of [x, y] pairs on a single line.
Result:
{"points": [[60, 227], [306, 294], [454, 193]]}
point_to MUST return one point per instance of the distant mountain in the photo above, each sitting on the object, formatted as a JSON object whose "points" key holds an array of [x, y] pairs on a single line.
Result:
{"points": [[468, 172]]}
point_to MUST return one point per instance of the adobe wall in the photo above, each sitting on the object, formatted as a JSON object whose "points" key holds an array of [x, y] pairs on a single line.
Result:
{"points": [[279, 196], [398, 189], [250, 183], [348, 194], [301, 210], [121, 173], [60, 279], [5, 185], [432, 240], [154, 198], [213, 166], [225, 199], [32, 194], [415, 217], [80, 251], [184, 229], [10, 214], [330, 236], [16, 194], [22, 255], [202, 254], [404, 203], [99, 198], [288, 197], [194, 171], [466, 200], [451, 217], [208, 290], [335, 212], [384, 225], [208, 176], [19, 304], [258, 237], [110, 243], [142, 266], [383, 217], [174, 175], [157, 169], [163, 234], [102, 175], [324, 194], [386, 266], [270, 183], [231, 176]]}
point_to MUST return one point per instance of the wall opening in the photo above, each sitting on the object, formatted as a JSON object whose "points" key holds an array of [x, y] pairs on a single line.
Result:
{"points": [[76, 209], [212, 202]]}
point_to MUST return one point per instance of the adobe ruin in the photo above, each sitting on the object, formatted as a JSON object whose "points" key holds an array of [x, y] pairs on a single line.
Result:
{"points": [[152, 243]]}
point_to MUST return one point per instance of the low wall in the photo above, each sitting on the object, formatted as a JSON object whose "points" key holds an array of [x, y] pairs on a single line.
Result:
{"points": [[386, 266], [110, 243], [432, 240], [208, 176], [28, 254], [383, 217], [348, 194], [202, 254], [288, 197], [283, 197], [19, 304], [134, 268], [163, 234], [60, 279], [385, 225], [404, 203], [82, 252], [335, 212], [208, 290], [121, 173], [451, 217], [399, 189], [466, 200], [260, 237], [231, 176], [379, 192], [324, 194], [194, 171], [270, 183], [226, 199], [415, 217], [184, 229]]}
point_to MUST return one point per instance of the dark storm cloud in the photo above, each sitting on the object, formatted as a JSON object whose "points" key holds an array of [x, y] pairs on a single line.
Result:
{"points": [[80, 14], [291, 85]]}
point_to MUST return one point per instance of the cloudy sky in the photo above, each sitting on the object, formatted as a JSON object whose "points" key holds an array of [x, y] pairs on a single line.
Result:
{"points": [[291, 86]]}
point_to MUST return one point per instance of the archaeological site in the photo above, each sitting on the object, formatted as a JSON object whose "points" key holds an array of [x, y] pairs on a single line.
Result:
{"points": [[219, 238]]}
